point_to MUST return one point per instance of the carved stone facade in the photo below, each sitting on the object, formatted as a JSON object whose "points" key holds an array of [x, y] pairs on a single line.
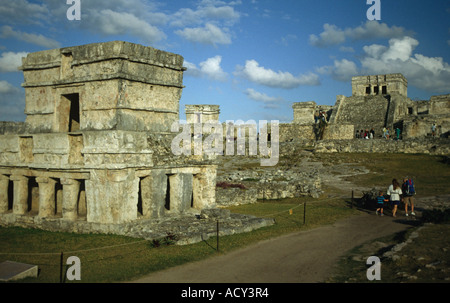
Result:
{"points": [[96, 146]]}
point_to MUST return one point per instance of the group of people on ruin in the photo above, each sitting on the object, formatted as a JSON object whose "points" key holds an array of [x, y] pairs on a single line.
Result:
{"points": [[366, 134], [320, 116]]}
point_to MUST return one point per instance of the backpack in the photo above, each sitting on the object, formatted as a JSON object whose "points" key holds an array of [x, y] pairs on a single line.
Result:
{"points": [[410, 190]]}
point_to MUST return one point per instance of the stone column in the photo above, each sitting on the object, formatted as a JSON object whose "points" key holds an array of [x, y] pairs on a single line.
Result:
{"points": [[153, 194], [112, 196], [205, 188], [180, 192], [46, 196], [4, 182], [20, 205], [71, 188]]}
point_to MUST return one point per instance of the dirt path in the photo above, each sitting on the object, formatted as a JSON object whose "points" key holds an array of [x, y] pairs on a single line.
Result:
{"points": [[306, 256]]}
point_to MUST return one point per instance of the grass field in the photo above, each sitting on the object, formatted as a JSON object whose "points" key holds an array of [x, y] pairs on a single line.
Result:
{"points": [[110, 258], [130, 258]]}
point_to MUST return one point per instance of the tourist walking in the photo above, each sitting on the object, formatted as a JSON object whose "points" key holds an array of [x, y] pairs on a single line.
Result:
{"points": [[408, 191], [380, 203], [385, 133], [398, 131], [394, 191]]}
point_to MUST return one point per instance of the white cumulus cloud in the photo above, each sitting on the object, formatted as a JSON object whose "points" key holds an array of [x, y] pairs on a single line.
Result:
{"points": [[9, 32], [209, 34], [109, 22], [268, 101], [267, 77], [7, 88], [333, 35], [210, 68], [428, 73], [10, 61]]}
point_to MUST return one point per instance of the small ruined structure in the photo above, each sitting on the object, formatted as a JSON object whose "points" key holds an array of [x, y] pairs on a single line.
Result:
{"points": [[202, 113], [377, 102], [94, 151]]}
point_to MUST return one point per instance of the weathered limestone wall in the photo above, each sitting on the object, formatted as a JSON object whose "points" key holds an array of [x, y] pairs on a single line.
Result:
{"points": [[440, 105], [304, 112], [292, 131], [364, 112], [8, 128], [235, 196], [379, 85], [412, 146], [102, 86], [339, 131], [110, 165], [420, 126]]}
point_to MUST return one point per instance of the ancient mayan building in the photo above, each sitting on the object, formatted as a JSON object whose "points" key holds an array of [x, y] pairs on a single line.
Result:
{"points": [[377, 101], [95, 148]]}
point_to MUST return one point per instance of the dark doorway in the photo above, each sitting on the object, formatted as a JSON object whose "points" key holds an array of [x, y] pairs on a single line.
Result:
{"points": [[81, 202], [70, 108], [33, 195], [139, 203], [10, 194], [58, 197], [167, 202]]}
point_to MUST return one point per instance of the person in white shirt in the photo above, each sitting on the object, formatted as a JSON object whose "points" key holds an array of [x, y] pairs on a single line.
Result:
{"points": [[394, 191]]}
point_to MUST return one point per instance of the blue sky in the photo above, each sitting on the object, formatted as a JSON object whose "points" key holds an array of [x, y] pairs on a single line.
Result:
{"points": [[254, 58]]}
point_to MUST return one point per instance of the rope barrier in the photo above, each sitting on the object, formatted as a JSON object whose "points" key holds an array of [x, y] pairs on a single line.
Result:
{"points": [[292, 208], [73, 251], [280, 212], [136, 242]]}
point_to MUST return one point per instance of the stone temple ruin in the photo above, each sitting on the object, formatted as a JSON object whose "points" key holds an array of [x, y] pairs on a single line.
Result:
{"points": [[377, 101], [94, 154]]}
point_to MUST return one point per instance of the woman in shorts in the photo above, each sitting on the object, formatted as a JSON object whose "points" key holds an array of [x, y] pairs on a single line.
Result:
{"points": [[394, 191]]}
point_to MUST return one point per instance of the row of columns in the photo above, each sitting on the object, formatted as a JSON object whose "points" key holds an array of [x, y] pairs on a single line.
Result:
{"points": [[174, 193], [159, 187], [47, 193]]}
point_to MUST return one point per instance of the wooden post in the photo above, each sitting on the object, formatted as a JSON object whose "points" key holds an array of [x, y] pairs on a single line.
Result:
{"points": [[351, 203], [61, 266], [304, 213], [217, 235]]}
